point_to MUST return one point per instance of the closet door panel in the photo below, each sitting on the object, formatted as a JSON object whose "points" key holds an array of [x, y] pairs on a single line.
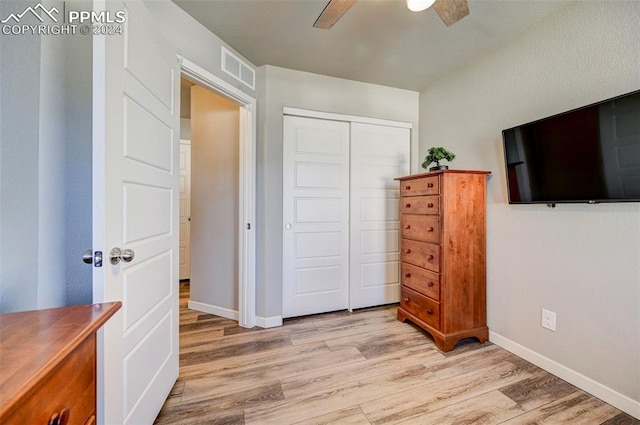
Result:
{"points": [[315, 216], [378, 155]]}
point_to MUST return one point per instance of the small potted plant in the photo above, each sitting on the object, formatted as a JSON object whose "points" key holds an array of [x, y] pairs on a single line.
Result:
{"points": [[436, 155]]}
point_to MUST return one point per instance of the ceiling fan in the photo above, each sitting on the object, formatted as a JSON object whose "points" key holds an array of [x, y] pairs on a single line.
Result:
{"points": [[449, 11]]}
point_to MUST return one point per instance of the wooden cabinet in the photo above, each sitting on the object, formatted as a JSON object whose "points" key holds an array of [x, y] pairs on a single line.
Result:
{"points": [[443, 272], [48, 365]]}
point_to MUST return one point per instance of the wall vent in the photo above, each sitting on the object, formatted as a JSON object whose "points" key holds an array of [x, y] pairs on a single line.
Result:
{"points": [[238, 69]]}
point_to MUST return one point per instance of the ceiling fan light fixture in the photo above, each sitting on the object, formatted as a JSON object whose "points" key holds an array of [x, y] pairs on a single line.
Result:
{"points": [[419, 5]]}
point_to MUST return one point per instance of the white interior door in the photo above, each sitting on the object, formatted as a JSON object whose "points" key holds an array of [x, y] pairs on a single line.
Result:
{"points": [[185, 210], [136, 175], [378, 155], [315, 214]]}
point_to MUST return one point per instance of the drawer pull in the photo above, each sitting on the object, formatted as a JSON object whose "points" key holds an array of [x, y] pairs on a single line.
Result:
{"points": [[429, 184], [407, 227], [407, 187], [430, 257], [407, 205], [429, 205], [407, 251], [430, 229], [407, 275], [406, 299], [61, 417], [429, 311], [430, 284]]}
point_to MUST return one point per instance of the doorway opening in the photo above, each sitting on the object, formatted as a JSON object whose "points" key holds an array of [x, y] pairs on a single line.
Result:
{"points": [[220, 133]]}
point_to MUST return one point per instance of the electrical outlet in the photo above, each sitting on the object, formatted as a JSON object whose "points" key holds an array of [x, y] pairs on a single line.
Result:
{"points": [[548, 320]]}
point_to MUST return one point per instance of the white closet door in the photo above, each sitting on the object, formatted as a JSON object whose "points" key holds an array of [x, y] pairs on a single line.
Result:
{"points": [[316, 214], [378, 155]]}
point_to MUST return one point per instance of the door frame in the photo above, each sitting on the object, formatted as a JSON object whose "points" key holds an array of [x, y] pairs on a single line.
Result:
{"points": [[247, 187]]}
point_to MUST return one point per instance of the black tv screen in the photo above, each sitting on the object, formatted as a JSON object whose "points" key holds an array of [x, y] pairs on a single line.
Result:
{"points": [[590, 154]]}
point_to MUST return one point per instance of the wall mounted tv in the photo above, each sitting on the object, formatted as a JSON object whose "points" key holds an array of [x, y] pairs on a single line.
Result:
{"points": [[590, 154]]}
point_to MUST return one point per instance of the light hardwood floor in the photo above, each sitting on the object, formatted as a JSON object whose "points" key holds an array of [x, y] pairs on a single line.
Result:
{"points": [[360, 368]]}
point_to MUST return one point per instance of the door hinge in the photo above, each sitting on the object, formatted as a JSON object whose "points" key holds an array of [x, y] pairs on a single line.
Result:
{"points": [[248, 226]]}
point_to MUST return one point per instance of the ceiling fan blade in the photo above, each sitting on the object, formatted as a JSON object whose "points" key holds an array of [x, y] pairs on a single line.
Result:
{"points": [[451, 11], [332, 12]]}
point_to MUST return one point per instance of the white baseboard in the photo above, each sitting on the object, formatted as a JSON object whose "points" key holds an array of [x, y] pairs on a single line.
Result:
{"points": [[263, 322], [614, 398], [213, 309], [269, 322]]}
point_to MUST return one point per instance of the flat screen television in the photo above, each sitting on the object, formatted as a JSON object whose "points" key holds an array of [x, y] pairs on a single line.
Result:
{"points": [[590, 154]]}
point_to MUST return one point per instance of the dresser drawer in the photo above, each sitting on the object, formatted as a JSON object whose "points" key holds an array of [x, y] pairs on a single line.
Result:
{"points": [[71, 385], [423, 186], [421, 254], [422, 307], [420, 205], [424, 228], [421, 280]]}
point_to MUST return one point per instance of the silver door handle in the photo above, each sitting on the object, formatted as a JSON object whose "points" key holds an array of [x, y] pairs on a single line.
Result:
{"points": [[90, 257], [126, 255], [87, 256]]}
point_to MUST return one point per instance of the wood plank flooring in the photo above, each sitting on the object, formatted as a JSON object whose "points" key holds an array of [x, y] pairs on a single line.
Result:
{"points": [[364, 368]]}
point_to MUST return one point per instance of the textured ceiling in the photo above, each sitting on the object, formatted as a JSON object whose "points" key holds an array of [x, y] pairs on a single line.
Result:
{"points": [[377, 41]]}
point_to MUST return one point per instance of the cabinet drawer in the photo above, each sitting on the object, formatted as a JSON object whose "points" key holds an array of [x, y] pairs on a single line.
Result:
{"points": [[421, 280], [71, 385], [420, 205], [424, 228], [422, 307], [421, 254], [423, 186]]}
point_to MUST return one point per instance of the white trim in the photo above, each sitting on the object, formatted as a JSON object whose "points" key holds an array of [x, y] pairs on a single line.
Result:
{"points": [[340, 117], [621, 401], [247, 187], [213, 309], [269, 322]]}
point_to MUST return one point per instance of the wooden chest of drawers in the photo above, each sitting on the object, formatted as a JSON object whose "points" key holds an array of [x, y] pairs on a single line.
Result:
{"points": [[48, 365], [443, 270]]}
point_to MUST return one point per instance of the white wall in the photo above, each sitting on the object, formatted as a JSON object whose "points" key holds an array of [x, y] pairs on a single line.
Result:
{"points": [[214, 200], [581, 261], [78, 227], [45, 127], [19, 117], [192, 40], [277, 88]]}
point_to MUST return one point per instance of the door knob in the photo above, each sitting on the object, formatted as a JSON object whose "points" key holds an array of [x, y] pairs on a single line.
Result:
{"points": [[116, 254], [287, 226], [87, 256], [90, 257]]}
